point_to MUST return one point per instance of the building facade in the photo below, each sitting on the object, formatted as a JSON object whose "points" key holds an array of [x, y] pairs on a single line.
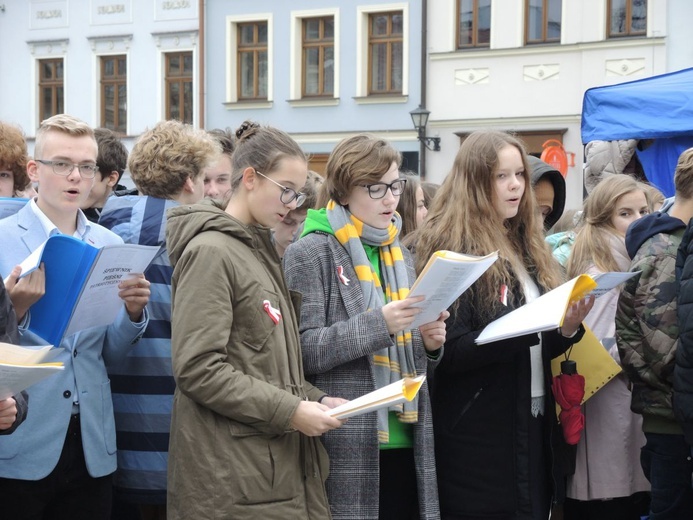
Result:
{"points": [[319, 70], [120, 64], [524, 65]]}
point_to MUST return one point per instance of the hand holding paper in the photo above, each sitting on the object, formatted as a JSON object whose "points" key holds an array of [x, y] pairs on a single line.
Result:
{"points": [[549, 310], [395, 393]]}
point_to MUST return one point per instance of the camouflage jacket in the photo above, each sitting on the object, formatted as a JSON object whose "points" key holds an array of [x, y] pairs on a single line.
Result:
{"points": [[647, 330]]}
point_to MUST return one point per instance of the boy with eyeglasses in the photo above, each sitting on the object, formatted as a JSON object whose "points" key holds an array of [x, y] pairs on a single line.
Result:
{"points": [[59, 462]]}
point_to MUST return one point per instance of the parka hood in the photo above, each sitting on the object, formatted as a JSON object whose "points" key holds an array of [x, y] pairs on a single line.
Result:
{"points": [[186, 222], [542, 170], [650, 225]]}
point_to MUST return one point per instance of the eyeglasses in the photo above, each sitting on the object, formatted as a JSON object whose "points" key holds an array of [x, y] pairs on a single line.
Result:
{"points": [[377, 190], [62, 168], [288, 195]]}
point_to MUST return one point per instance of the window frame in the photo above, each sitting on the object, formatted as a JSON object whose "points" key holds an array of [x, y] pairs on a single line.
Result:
{"points": [[629, 16], [389, 40], [321, 43], [181, 80], [255, 48], [116, 81], [475, 27], [57, 107], [544, 24]]}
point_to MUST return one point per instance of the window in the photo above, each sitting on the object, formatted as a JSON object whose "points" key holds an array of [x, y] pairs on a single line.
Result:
{"points": [[114, 93], [627, 18], [318, 56], [543, 21], [51, 88], [252, 60], [474, 23], [385, 45], [179, 86]]}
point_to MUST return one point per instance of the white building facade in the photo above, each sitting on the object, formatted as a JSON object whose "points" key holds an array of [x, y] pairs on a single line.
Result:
{"points": [[120, 64], [524, 65]]}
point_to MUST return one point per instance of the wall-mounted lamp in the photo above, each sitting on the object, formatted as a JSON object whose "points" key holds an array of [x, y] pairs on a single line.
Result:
{"points": [[420, 118]]}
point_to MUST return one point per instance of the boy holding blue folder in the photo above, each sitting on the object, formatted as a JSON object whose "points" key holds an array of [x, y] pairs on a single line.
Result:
{"points": [[59, 463]]}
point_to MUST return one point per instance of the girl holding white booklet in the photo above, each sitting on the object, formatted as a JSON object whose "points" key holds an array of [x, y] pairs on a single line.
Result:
{"points": [[356, 335], [499, 449], [606, 469]]}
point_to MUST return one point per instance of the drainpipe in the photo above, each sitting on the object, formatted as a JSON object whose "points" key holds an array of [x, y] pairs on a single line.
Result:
{"points": [[424, 49], [201, 61]]}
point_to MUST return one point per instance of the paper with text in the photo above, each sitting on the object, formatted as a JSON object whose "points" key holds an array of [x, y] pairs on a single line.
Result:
{"points": [[444, 278], [548, 311]]}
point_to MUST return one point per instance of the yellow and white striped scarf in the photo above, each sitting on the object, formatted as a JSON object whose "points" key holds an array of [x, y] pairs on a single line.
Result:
{"points": [[393, 363]]}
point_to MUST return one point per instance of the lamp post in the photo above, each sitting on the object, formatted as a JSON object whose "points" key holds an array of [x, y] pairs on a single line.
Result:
{"points": [[419, 117]]}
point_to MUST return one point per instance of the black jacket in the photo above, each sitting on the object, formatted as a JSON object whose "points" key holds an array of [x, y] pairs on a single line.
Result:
{"points": [[683, 371], [481, 410], [9, 334]]}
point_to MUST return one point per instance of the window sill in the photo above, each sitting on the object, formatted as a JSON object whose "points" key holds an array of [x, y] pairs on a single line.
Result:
{"points": [[314, 102], [247, 105], [380, 99]]}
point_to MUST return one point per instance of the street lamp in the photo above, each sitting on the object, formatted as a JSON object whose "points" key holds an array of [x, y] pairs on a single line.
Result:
{"points": [[420, 118]]}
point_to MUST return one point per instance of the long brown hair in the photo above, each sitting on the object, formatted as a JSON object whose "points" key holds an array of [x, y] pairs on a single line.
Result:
{"points": [[407, 206], [592, 245], [464, 219]]}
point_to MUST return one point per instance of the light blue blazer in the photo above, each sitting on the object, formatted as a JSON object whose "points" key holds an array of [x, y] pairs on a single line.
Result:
{"points": [[32, 452]]}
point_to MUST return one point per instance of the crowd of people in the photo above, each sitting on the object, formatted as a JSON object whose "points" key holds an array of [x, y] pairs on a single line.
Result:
{"points": [[277, 294]]}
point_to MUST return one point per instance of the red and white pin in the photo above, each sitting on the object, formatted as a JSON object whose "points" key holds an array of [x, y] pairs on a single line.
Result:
{"points": [[273, 313], [340, 275]]}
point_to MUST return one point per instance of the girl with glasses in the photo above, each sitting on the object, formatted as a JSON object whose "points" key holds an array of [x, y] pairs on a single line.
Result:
{"points": [[245, 421], [356, 337]]}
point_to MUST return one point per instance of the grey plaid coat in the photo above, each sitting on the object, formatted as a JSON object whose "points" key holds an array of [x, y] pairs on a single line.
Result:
{"points": [[338, 338]]}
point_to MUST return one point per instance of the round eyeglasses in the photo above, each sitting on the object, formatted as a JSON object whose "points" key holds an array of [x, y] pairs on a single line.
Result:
{"points": [[63, 168], [377, 190], [288, 195]]}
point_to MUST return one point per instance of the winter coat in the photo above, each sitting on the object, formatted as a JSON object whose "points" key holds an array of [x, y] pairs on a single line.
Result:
{"points": [[646, 323], [683, 371], [142, 385], [481, 412], [239, 377], [338, 339], [605, 469]]}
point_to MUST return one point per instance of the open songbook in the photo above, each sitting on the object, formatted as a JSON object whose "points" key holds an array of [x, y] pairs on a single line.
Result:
{"points": [[548, 311], [81, 284], [444, 278], [21, 367], [395, 393]]}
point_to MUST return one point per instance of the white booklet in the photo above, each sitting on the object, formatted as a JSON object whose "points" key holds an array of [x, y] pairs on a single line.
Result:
{"points": [[548, 311], [444, 278], [21, 367], [394, 393]]}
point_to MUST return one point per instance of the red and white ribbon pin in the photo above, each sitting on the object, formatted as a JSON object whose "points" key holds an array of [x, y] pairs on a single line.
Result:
{"points": [[340, 275], [271, 311]]}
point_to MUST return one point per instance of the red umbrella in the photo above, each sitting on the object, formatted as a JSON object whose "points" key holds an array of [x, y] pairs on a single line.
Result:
{"points": [[569, 389]]}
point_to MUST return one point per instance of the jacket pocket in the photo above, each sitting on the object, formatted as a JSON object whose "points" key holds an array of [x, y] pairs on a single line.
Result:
{"points": [[260, 325], [268, 467]]}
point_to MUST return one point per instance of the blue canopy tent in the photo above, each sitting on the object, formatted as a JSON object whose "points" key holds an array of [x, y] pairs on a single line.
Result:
{"points": [[659, 108]]}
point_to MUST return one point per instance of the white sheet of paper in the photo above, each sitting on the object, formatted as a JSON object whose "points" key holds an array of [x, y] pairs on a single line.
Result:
{"points": [[15, 378], [99, 304]]}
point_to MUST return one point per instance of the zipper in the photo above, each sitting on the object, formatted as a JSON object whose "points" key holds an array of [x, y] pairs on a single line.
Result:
{"points": [[466, 407]]}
